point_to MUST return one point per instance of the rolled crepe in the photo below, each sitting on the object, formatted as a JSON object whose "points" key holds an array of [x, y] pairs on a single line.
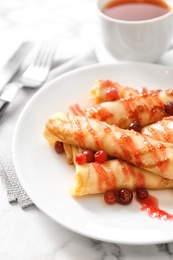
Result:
{"points": [[133, 147], [146, 108], [161, 130], [94, 178], [98, 92]]}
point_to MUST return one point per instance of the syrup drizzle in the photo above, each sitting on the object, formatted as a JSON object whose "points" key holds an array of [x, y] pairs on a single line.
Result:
{"points": [[163, 131], [104, 178], [76, 110]]}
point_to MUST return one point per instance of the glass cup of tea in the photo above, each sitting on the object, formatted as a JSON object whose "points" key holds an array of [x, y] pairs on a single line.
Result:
{"points": [[136, 30]]}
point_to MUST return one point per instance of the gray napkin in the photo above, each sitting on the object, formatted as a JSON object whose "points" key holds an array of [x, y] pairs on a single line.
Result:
{"points": [[15, 192]]}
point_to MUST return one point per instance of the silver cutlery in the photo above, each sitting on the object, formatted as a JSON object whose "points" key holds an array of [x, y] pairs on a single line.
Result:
{"points": [[13, 64], [34, 76]]}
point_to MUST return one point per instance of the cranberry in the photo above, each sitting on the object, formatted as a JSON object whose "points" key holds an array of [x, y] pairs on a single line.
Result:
{"points": [[125, 196], [110, 197], [112, 94], [81, 158], [100, 156], [59, 147], [135, 126], [89, 155], [142, 193], [169, 108]]}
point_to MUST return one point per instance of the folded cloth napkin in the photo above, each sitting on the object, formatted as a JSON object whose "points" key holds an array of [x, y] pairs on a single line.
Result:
{"points": [[15, 192]]}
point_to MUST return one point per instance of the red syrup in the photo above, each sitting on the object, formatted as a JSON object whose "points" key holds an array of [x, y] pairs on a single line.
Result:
{"points": [[151, 205], [76, 110]]}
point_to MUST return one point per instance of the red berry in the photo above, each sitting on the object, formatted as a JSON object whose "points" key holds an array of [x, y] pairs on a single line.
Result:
{"points": [[125, 196], [81, 158], [169, 108], [59, 147], [100, 156], [110, 197], [89, 155], [135, 126], [112, 94], [142, 193]]}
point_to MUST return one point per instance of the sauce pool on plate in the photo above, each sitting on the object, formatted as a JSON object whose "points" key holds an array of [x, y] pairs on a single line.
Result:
{"points": [[151, 206]]}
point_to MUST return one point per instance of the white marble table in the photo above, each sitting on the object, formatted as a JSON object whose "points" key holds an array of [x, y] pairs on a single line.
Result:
{"points": [[29, 234]]}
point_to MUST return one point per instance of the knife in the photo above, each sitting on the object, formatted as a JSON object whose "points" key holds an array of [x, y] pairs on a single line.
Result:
{"points": [[7, 96], [13, 64]]}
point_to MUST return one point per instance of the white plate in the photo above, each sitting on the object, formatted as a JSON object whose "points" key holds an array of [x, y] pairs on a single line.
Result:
{"points": [[47, 178]]}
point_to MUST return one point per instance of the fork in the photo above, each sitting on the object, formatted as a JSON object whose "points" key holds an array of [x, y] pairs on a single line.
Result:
{"points": [[33, 77]]}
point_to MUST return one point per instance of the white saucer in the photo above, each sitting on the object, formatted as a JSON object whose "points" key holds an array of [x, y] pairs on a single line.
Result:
{"points": [[105, 57]]}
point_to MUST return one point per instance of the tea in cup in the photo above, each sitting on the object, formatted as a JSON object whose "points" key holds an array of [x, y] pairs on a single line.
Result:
{"points": [[136, 30]]}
